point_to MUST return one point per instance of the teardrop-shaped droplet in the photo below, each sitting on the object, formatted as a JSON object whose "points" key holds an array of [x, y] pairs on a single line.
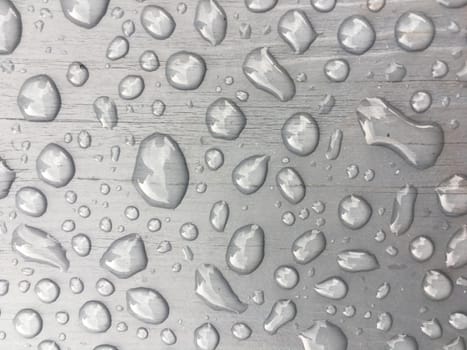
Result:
{"points": [[11, 27], [357, 261], [55, 166], [300, 134], [308, 246], [265, 73], [95, 317], [147, 305], [106, 112], [131, 87], [260, 5], [401, 342], [332, 288], [356, 35], [157, 22], [282, 312], [249, 175], [31, 201], [39, 99], [224, 119], [118, 48], [7, 177], [296, 30], [185, 70], [414, 31], [219, 215], [456, 251], [85, 13], [419, 144], [38, 246], [125, 257], [291, 185], [206, 337], [452, 195], [245, 251], [161, 174], [28, 323], [354, 211], [432, 329], [211, 21], [212, 287], [436, 285], [403, 210], [323, 335]]}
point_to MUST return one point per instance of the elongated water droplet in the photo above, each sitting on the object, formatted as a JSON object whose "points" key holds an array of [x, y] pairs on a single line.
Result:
{"points": [[282, 312], [414, 31], [456, 251], [357, 261], [356, 35], [300, 134], [260, 5], [452, 3], [118, 48], [354, 211], [95, 317], [403, 210], [308, 246], [7, 177], [11, 27], [81, 244], [147, 305], [38, 246], [383, 125], [265, 73], [401, 342], [332, 288], [212, 287], [452, 195], [245, 251], [291, 185], [185, 70], [85, 13], [224, 119], [296, 30], [55, 166], [39, 99], [161, 174], [249, 175], [125, 257], [436, 285], [219, 215], [105, 347], [211, 21], [323, 335], [334, 146], [168, 336], [106, 112], [157, 22], [206, 337], [28, 323]]}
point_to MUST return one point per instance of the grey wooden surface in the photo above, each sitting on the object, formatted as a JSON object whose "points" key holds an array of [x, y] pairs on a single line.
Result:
{"points": [[62, 42]]}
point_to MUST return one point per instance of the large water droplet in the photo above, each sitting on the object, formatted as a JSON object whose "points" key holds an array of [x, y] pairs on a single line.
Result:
{"points": [[39, 99], [211, 21], [354, 211], [323, 335], [456, 251], [414, 31], [357, 261], [85, 13], [161, 174], [308, 246], [356, 35], [147, 305], [401, 342], [219, 215], [11, 27], [95, 317], [282, 312], [224, 119], [332, 288], [157, 22], [296, 30], [452, 195], [28, 323], [206, 337], [419, 144], [436, 285], [185, 70], [403, 210], [265, 73], [260, 5], [291, 185], [55, 166], [106, 112], [300, 134], [126, 256], [38, 246], [212, 287], [249, 175], [245, 251]]}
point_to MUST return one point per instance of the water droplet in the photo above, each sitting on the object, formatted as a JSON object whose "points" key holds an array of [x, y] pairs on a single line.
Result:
{"points": [[265, 73], [147, 305], [104, 287], [185, 70], [128, 28], [375, 5], [245, 251], [384, 323], [452, 3], [420, 101], [334, 146], [118, 48], [323, 335], [77, 74], [39, 99], [157, 22], [354, 211], [106, 112], [300, 134], [403, 210], [356, 35], [249, 175], [439, 69], [125, 257], [241, 331], [84, 139], [189, 231], [76, 285], [332, 288], [457, 343], [206, 337], [81, 244], [210, 21], [85, 13], [47, 290], [296, 30], [260, 5], [214, 158], [28, 323], [419, 144], [219, 215], [168, 336], [55, 166], [436, 285], [432, 329], [12, 27], [158, 108], [414, 31], [337, 70], [48, 345], [224, 119], [452, 195], [308, 246], [421, 248], [395, 72], [131, 87], [291, 185], [212, 287], [31, 201], [357, 261], [456, 251], [282, 312], [161, 174], [95, 317], [401, 342], [38, 246], [286, 277], [149, 61]]}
